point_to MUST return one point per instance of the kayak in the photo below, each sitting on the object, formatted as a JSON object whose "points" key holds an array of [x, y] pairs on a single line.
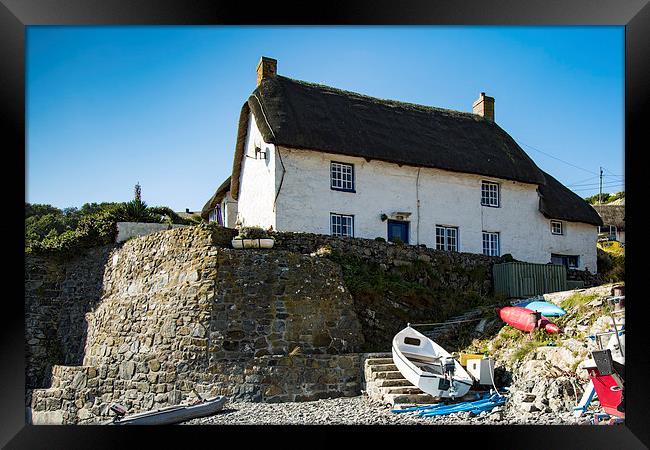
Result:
{"points": [[525, 319], [546, 308]]}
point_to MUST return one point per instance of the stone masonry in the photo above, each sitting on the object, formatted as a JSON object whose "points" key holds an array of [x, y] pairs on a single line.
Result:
{"points": [[179, 313]]}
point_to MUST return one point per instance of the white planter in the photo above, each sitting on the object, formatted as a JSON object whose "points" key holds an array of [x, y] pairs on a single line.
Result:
{"points": [[253, 243]]}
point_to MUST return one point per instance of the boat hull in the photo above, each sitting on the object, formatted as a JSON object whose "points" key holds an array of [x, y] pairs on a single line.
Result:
{"points": [[175, 414], [429, 377], [525, 319]]}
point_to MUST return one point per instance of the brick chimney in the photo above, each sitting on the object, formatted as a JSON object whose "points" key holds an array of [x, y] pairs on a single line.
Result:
{"points": [[267, 67], [484, 107]]}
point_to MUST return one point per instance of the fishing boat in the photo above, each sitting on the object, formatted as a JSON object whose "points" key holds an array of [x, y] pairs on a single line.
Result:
{"points": [[170, 415], [428, 366]]}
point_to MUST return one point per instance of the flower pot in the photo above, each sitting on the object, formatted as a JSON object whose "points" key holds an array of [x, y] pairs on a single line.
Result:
{"points": [[253, 243]]}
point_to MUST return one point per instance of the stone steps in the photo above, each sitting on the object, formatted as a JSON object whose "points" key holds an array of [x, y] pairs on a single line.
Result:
{"points": [[379, 361], [409, 399], [383, 368], [390, 375]]}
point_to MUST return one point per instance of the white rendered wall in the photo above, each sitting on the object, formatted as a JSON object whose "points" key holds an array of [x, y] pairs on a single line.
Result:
{"points": [[230, 207], [256, 182], [446, 198]]}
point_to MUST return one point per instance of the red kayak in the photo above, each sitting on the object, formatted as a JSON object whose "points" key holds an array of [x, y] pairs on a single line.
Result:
{"points": [[525, 319]]}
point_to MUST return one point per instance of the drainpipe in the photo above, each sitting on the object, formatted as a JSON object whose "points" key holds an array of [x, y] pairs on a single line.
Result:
{"points": [[417, 198]]}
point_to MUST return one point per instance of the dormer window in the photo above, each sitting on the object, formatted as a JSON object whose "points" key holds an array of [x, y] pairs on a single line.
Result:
{"points": [[342, 176], [556, 227], [490, 194]]}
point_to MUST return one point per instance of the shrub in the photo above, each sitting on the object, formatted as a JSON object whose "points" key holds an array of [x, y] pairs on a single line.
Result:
{"points": [[252, 233]]}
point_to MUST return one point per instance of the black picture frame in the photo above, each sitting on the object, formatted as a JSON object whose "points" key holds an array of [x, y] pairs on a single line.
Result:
{"points": [[15, 15]]}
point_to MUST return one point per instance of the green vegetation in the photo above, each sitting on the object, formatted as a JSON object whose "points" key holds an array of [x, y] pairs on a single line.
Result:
{"points": [[412, 291], [50, 230], [253, 233], [611, 263], [604, 198]]}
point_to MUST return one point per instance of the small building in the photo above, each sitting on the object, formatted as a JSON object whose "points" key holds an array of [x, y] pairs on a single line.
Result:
{"points": [[221, 207], [313, 158], [613, 216]]}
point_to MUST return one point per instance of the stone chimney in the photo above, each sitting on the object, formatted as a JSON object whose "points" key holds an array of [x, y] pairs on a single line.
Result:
{"points": [[484, 107], [267, 67]]}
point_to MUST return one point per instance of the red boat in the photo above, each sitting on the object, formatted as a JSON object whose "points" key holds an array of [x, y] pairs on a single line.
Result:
{"points": [[525, 319], [606, 369]]}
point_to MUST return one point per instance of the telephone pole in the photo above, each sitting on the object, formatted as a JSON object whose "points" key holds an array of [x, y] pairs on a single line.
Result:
{"points": [[600, 192]]}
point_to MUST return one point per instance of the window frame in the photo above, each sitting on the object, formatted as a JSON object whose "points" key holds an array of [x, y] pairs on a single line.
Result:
{"points": [[555, 222], [498, 193], [353, 181], [566, 258], [446, 236], [489, 248], [350, 216]]}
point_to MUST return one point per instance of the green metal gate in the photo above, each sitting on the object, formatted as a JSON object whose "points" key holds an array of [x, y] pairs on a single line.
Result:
{"points": [[521, 280]]}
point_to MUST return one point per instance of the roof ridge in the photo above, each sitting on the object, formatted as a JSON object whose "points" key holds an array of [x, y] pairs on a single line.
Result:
{"points": [[390, 102]]}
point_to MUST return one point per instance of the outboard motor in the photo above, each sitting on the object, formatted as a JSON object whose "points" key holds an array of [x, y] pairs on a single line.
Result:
{"points": [[449, 367]]}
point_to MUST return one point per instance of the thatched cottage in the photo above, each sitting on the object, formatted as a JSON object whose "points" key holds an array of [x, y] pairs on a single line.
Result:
{"points": [[613, 216], [317, 159]]}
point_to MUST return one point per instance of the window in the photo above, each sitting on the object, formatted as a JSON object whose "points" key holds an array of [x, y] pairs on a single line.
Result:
{"points": [[570, 261], [556, 227], [342, 176], [491, 244], [342, 225], [489, 194], [446, 238]]}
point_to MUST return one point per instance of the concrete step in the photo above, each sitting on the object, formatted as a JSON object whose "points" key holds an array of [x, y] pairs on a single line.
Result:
{"points": [[407, 390], [390, 375], [378, 361], [378, 355], [393, 383], [411, 399], [383, 368]]}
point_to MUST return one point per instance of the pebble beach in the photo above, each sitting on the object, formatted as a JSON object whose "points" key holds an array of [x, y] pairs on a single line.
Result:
{"points": [[360, 410]]}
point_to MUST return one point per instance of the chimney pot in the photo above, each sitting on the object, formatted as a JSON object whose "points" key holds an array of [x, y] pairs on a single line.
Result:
{"points": [[484, 107], [267, 67]]}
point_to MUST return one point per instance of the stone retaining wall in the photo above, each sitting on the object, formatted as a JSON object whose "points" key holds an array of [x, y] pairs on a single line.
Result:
{"points": [[83, 394], [58, 294], [177, 313]]}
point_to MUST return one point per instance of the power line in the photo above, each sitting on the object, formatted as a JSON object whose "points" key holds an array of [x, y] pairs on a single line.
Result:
{"points": [[605, 183], [555, 157], [594, 188], [581, 181]]}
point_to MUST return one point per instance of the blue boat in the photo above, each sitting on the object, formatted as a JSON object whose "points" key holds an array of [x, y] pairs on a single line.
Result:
{"points": [[545, 308]]}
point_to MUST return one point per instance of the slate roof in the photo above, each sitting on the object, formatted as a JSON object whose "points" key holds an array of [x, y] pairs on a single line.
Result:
{"points": [[310, 116]]}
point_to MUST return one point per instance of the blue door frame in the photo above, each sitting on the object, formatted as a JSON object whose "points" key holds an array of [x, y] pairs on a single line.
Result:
{"points": [[400, 229]]}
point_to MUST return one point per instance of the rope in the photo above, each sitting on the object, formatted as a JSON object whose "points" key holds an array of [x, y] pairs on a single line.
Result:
{"points": [[444, 323]]}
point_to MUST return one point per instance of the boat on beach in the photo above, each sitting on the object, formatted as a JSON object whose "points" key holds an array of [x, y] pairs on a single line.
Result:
{"points": [[428, 366], [170, 415]]}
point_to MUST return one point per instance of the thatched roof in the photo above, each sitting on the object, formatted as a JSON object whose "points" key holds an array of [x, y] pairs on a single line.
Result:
{"points": [[612, 215], [559, 202], [308, 116], [222, 190]]}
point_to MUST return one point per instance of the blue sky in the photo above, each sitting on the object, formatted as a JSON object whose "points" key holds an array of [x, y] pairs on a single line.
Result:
{"points": [[111, 106]]}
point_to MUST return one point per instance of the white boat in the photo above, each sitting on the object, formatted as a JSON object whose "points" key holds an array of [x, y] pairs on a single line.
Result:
{"points": [[170, 415], [428, 366]]}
